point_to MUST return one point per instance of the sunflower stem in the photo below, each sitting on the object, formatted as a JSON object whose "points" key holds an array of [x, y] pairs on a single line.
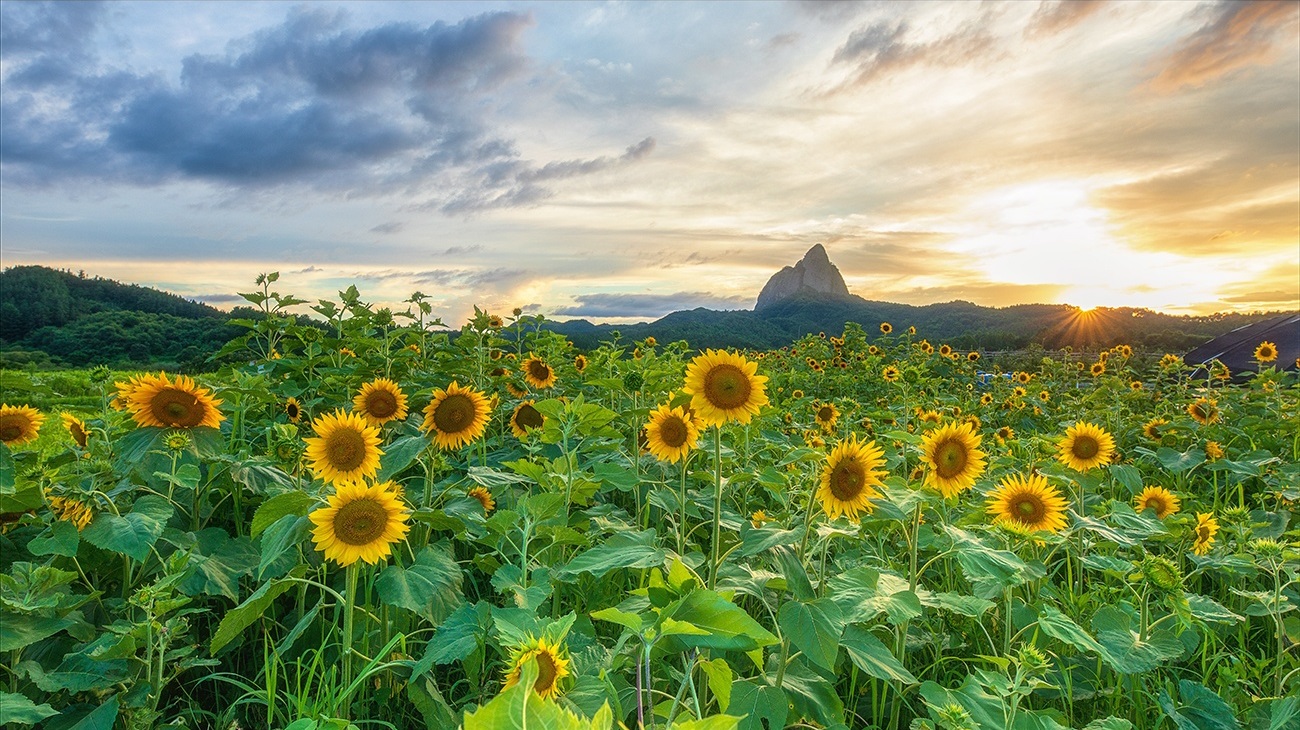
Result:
{"points": [[350, 600], [717, 505]]}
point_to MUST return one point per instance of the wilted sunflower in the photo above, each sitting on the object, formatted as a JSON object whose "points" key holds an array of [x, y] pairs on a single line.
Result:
{"points": [[345, 448], [537, 373], [360, 522], [484, 498], [1206, 527], [456, 416], [850, 478], [525, 418], [580, 363], [953, 457], [725, 387], [671, 433], [19, 424], [1085, 447], [1266, 352], [552, 666], [1029, 503], [380, 401], [827, 415], [76, 429], [293, 409], [71, 510], [1152, 429], [1204, 410], [1163, 501], [1213, 451], [1098, 368], [181, 403], [890, 374]]}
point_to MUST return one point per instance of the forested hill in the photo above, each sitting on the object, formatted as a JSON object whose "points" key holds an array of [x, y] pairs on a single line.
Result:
{"points": [[50, 316]]}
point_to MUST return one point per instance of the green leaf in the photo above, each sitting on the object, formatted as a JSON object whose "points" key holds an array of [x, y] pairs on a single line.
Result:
{"points": [[1199, 709], [753, 542], [400, 454], [955, 602], [814, 628], [458, 636], [622, 618], [431, 587], [284, 535], [1059, 626], [134, 533], [28, 497], [78, 672], [494, 478], [720, 679], [1280, 714], [812, 696], [218, 563], [246, 613], [864, 593], [8, 471], [989, 570], [730, 627], [1180, 462], [756, 703], [1207, 609], [519, 708], [712, 722], [873, 657], [17, 709], [102, 718], [19, 630], [1109, 723], [796, 577], [273, 509], [1124, 651], [622, 550], [1127, 475], [61, 538]]}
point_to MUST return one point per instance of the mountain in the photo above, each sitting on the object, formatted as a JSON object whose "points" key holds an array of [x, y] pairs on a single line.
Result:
{"points": [[814, 275]]}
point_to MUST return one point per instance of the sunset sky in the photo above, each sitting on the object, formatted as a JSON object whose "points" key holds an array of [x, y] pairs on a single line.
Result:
{"points": [[621, 160]]}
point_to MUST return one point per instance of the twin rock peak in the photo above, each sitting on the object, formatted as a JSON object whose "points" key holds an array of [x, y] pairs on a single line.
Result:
{"points": [[814, 274]]}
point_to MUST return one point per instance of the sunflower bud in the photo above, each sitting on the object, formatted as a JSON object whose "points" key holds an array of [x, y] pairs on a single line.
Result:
{"points": [[1162, 574]]}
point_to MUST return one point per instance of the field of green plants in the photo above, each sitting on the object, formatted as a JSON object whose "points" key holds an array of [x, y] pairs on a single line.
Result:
{"points": [[375, 525]]}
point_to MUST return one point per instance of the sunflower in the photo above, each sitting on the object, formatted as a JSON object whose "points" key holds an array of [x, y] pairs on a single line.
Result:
{"points": [[873, 350], [515, 390], [925, 416], [181, 403], [71, 510], [1028, 503], [537, 373], [1266, 352], [552, 665], [945, 350], [1018, 392], [926, 347], [651, 342], [1098, 368], [524, 419], [890, 374], [973, 356], [758, 519], [850, 478], [796, 394], [911, 330], [1204, 410], [886, 328], [1005, 434], [953, 456], [1023, 377], [1170, 360], [347, 352], [725, 387], [1206, 527], [1125, 351], [345, 448], [1103, 356], [76, 429], [1085, 446], [1152, 428], [293, 409], [1163, 501], [360, 522], [1213, 451], [380, 401], [1135, 386], [580, 363], [827, 415], [671, 433], [495, 322], [19, 424], [1044, 396], [484, 498], [457, 416], [986, 399]]}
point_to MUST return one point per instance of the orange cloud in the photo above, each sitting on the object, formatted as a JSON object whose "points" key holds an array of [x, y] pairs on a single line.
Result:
{"points": [[1244, 34]]}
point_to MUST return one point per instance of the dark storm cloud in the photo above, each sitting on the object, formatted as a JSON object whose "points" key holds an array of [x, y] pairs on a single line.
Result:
{"points": [[647, 305], [885, 48], [1240, 34], [396, 108]]}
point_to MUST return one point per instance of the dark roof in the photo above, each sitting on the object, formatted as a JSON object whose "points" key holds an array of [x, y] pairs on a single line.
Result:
{"points": [[1236, 349]]}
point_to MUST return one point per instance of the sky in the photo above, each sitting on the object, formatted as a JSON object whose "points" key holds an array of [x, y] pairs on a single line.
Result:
{"points": [[617, 161]]}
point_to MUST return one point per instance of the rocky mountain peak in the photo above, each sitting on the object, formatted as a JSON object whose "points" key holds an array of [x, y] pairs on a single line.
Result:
{"points": [[814, 273]]}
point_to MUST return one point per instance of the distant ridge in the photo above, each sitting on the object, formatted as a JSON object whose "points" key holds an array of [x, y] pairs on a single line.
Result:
{"points": [[814, 275]]}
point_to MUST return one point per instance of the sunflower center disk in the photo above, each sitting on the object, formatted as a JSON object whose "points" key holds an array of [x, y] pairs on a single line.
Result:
{"points": [[346, 449], [825, 413], [381, 404], [847, 480], [1086, 447], [672, 432], [528, 417], [546, 672], [726, 387], [176, 408], [360, 522], [10, 430], [455, 413], [950, 459], [1030, 509], [539, 370]]}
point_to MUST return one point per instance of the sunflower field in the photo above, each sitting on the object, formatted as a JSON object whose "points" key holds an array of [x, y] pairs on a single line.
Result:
{"points": [[378, 523]]}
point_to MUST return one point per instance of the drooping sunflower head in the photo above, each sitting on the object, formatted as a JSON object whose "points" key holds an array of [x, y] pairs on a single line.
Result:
{"points": [[1153, 429], [19, 424], [725, 387], [76, 429], [1213, 451], [293, 409], [360, 522], [456, 416], [1204, 410], [1205, 530], [1266, 352], [70, 509], [1027, 502], [580, 363], [552, 665], [1085, 447], [850, 477], [537, 373], [380, 401], [1159, 499], [890, 374], [484, 498], [161, 402], [525, 418], [827, 415], [952, 458], [345, 448], [671, 433]]}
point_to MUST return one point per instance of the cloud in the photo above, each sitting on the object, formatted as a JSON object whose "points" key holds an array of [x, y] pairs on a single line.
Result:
{"points": [[389, 227], [1241, 34], [884, 48], [463, 278], [392, 109], [218, 298], [648, 305], [1053, 17]]}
